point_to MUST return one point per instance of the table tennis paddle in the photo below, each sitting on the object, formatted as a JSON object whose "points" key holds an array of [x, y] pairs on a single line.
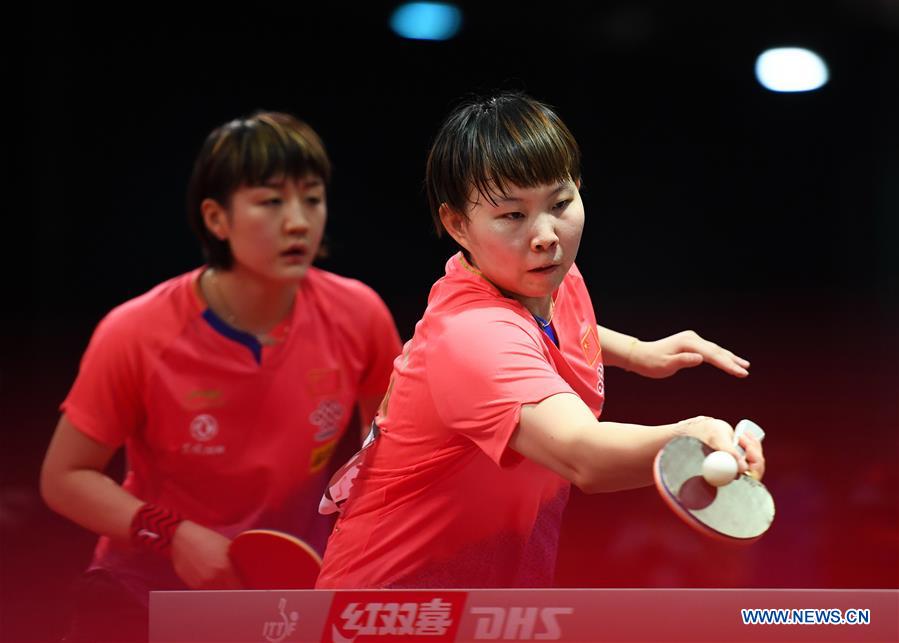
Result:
{"points": [[269, 559], [740, 511]]}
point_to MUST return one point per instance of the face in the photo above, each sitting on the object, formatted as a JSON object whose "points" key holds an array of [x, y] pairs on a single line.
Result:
{"points": [[274, 230], [526, 243]]}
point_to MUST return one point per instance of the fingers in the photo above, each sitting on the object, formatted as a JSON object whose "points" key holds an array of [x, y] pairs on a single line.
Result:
{"points": [[200, 558], [671, 364], [719, 436], [755, 457], [728, 362], [687, 360], [715, 355]]}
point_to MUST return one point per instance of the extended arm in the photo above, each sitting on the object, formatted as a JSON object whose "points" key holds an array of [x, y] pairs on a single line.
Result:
{"points": [[664, 357], [561, 433]]}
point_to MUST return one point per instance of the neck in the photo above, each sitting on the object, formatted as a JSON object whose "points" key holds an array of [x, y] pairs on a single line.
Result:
{"points": [[246, 302], [540, 306]]}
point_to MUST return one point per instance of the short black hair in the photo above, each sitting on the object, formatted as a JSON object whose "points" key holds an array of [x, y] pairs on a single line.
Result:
{"points": [[489, 142], [249, 151]]}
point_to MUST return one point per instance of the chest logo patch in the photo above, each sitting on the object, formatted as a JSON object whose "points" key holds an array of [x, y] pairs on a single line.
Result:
{"points": [[204, 399], [323, 381], [203, 428], [590, 345], [320, 456], [327, 418]]}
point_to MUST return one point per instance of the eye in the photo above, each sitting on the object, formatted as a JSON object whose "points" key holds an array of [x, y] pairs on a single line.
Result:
{"points": [[561, 205], [512, 216], [315, 200], [273, 201]]}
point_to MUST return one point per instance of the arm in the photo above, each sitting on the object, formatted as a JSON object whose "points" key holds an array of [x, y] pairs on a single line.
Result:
{"points": [[664, 357], [74, 485], [561, 433]]}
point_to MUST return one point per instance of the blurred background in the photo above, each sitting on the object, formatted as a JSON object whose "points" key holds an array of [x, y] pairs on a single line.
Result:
{"points": [[764, 220]]}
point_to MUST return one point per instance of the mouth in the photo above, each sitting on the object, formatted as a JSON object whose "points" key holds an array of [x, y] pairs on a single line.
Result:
{"points": [[544, 270], [295, 253]]}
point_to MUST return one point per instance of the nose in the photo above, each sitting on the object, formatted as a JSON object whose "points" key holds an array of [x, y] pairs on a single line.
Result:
{"points": [[544, 236], [296, 220]]}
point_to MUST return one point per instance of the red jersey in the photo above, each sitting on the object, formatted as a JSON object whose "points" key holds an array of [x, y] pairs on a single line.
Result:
{"points": [[230, 433], [440, 499]]}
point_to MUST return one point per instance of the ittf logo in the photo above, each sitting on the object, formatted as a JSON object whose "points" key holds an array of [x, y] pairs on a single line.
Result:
{"points": [[278, 630]]}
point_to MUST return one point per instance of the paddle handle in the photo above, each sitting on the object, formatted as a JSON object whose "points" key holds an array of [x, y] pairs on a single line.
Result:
{"points": [[750, 427]]}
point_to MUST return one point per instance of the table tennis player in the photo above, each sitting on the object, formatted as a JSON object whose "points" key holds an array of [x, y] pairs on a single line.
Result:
{"points": [[492, 409], [228, 386]]}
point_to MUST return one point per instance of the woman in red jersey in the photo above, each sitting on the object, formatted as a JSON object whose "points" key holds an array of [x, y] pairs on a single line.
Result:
{"points": [[229, 386], [492, 409]]}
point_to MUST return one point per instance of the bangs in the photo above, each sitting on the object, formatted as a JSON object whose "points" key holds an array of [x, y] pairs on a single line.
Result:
{"points": [[255, 151], [487, 146], [525, 149], [250, 151]]}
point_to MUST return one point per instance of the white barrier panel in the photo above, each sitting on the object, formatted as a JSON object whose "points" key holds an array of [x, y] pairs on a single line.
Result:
{"points": [[526, 615]]}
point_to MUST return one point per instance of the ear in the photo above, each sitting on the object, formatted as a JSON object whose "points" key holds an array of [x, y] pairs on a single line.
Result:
{"points": [[216, 218], [455, 224]]}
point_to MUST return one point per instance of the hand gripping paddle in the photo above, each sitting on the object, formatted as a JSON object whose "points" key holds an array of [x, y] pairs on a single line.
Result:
{"points": [[740, 511]]}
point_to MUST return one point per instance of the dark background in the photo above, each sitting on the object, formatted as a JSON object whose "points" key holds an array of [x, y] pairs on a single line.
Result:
{"points": [[766, 222]]}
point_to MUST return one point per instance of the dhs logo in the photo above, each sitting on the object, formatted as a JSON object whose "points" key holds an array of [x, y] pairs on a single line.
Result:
{"points": [[518, 623]]}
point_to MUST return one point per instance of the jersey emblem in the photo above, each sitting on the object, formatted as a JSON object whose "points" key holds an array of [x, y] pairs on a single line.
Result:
{"points": [[320, 456], [204, 399], [590, 345], [327, 417], [203, 428], [323, 381]]}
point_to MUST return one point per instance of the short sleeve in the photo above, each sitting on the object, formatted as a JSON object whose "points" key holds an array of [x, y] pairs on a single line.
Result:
{"points": [[483, 367], [105, 402]]}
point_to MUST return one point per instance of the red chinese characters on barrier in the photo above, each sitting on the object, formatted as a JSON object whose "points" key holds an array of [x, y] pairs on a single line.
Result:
{"points": [[397, 616]]}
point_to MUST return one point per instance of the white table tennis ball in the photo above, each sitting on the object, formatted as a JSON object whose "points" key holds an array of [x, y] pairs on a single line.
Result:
{"points": [[719, 468]]}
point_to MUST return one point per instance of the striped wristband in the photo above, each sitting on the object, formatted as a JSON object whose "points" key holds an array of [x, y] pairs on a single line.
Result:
{"points": [[153, 528]]}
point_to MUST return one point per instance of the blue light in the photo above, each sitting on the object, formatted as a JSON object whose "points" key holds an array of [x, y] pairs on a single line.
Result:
{"points": [[426, 20]]}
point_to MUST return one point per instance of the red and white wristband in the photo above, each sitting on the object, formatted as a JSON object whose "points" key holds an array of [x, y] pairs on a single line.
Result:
{"points": [[154, 527]]}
